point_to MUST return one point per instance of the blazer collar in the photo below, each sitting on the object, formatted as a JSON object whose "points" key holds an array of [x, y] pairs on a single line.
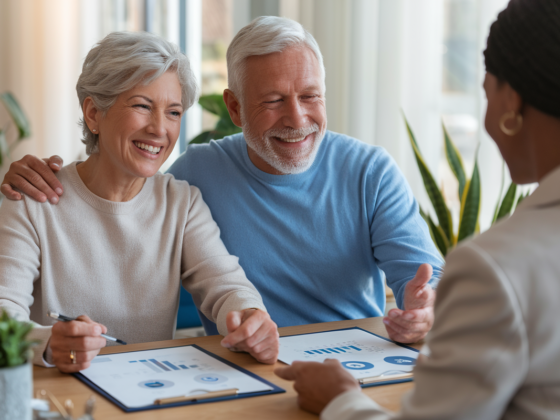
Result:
{"points": [[546, 194]]}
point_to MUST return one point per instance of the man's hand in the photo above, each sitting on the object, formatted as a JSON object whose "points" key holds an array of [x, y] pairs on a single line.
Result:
{"points": [[252, 331], [35, 178], [412, 324], [318, 383], [83, 336]]}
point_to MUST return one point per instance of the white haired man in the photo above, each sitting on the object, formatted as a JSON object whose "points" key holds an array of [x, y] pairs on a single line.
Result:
{"points": [[314, 216]]}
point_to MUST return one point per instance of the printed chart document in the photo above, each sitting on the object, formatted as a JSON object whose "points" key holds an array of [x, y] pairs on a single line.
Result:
{"points": [[371, 359], [135, 380]]}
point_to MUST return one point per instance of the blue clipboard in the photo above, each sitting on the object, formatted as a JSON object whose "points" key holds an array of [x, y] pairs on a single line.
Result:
{"points": [[275, 389], [387, 382]]}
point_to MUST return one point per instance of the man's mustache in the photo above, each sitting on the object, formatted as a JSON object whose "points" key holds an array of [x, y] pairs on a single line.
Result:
{"points": [[292, 133]]}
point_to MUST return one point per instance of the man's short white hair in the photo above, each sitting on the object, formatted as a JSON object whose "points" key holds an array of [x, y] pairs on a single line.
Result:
{"points": [[122, 60], [266, 35]]}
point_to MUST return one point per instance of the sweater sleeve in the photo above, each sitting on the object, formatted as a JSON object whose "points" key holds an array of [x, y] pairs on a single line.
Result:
{"points": [[20, 267], [209, 273], [400, 238], [478, 350]]}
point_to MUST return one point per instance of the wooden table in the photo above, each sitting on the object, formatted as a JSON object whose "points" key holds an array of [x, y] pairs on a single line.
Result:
{"points": [[270, 407]]}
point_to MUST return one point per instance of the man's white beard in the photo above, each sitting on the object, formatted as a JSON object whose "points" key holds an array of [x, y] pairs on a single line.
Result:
{"points": [[291, 161]]}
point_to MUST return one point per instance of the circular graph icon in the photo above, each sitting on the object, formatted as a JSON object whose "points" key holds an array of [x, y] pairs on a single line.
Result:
{"points": [[155, 384], [401, 360], [357, 365], [210, 378]]}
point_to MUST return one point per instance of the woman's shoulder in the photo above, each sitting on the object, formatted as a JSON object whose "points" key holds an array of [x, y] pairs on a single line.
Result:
{"points": [[173, 188]]}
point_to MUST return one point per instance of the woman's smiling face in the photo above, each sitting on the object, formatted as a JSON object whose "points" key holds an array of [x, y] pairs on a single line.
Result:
{"points": [[137, 134]]}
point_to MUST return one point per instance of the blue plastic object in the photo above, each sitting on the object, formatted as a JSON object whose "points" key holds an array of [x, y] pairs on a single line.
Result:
{"points": [[187, 316]]}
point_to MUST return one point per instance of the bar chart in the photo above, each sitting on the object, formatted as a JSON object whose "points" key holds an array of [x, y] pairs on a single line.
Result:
{"points": [[337, 350], [162, 365]]}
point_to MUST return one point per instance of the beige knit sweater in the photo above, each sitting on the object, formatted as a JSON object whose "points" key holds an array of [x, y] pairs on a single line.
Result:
{"points": [[119, 263]]}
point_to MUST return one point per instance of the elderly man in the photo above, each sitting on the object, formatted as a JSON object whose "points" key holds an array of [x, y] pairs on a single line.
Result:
{"points": [[314, 216]]}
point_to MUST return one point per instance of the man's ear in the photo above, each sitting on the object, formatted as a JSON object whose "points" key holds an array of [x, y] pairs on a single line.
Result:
{"points": [[91, 114], [233, 106]]}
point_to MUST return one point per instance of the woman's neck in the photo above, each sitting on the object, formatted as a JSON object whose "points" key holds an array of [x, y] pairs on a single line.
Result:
{"points": [[108, 182]]}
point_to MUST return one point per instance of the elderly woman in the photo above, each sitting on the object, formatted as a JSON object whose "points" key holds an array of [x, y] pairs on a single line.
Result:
{"points": [[494, 350], [118, 247]]}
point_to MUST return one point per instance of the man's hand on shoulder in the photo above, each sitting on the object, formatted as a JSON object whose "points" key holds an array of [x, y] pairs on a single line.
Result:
{"points": [[35, 178], [412, 324], [252, 331]]}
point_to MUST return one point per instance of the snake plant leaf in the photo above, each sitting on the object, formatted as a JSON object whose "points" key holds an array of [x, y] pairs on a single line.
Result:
{"points": [[470, 206], [439, 237], [214, 104], [508, 202], [455, 160], [436, 197], [17, 114]]}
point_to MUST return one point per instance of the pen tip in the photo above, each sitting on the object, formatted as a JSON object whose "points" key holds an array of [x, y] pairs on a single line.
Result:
{"points": [[121, 342]]}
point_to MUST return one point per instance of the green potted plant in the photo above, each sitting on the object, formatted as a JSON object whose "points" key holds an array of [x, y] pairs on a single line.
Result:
{"points": [[469, 191], [224, 127], [9, 138], [16, 379]]}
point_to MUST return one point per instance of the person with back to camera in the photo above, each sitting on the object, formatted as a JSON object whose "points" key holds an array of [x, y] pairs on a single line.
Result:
{"points": [[494, 350], [118, 247]]}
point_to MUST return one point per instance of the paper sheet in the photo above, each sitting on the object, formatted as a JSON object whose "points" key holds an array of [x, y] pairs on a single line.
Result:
{"points": [[138, 378], [363, 354]]}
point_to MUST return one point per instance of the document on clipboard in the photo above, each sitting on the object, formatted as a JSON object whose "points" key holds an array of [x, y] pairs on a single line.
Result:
{"points": [[371, 359], [147, 379]]}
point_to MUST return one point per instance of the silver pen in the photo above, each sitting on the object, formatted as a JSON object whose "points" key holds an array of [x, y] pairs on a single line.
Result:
{"points": [[60, 317]]}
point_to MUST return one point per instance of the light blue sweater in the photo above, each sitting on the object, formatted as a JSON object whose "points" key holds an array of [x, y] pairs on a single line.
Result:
{"points": [[315, 244]]}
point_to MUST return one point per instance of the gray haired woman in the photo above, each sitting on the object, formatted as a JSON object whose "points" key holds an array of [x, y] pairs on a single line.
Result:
{"points": [[118, 246]]}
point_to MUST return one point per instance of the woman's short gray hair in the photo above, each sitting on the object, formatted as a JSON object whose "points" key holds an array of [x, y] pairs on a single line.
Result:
{"points": [[122, 60], [266, 35]]}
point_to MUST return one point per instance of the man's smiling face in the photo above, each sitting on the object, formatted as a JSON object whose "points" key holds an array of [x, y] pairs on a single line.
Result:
{"points": [[283, 112]]}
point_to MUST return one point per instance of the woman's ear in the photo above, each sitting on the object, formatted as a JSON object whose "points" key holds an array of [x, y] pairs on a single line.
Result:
{"points": [[513, 100], [91, 114], [233, 106]]}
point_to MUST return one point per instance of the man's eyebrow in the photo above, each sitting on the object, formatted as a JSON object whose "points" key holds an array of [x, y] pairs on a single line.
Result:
{"points": [[150, 101]]}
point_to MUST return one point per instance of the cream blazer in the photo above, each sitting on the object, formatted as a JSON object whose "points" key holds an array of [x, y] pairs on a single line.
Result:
{"points": [[494, 350]]}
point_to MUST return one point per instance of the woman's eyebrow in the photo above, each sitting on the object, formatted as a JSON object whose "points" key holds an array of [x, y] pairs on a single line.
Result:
{"points": [[150, 101]]}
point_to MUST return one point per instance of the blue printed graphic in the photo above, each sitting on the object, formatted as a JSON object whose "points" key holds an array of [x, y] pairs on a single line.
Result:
{"points": [[400, 360], [357, 365]]}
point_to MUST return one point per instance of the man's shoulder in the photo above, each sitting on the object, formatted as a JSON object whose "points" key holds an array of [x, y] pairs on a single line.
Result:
{"points": [[199, 157], [346, 150]]}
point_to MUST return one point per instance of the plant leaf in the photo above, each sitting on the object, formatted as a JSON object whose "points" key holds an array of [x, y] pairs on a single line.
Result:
{"points": [[21, 121], [497, 209], [227, 126], [470, 205], [455, 160], [508, 202], [439, 237], [214, 104], [436, 197], [203, 137]]}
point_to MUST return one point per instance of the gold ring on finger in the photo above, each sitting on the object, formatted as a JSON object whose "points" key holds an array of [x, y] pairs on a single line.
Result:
{"points": [[73, 357]]}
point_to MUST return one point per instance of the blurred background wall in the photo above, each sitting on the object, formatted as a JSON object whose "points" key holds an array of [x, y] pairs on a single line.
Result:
{"points": [[423, 57]]}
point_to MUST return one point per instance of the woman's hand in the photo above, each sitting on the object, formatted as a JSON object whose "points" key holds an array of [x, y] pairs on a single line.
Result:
{"points": [[83, 337], [318, 383], [252, 331]]}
